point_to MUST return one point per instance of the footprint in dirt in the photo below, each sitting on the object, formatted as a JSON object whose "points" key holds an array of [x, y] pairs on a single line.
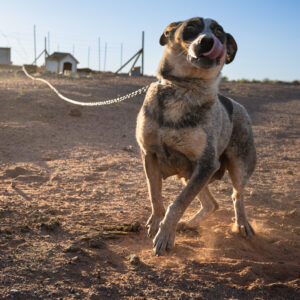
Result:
{"points": [[24, 175], [17, 171]]}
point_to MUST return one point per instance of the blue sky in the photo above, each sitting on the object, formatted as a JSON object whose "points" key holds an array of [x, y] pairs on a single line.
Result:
{"points": [[266, 31]]}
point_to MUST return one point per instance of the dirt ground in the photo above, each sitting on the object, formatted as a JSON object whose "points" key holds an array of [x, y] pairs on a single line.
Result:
{"points": [[73, 200]]}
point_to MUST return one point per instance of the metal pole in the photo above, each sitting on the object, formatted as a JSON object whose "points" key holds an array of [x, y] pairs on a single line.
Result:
{"points": [[129, 60], [143, 51], [105, 51], [34, 62], [99, 57], [138, 56], [48, 42], [34, 42], [121, 55], [45, 50]]}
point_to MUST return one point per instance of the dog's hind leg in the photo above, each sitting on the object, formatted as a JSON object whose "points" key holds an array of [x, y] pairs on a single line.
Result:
{"points": [[154, 183], [239, 174], [208, 206], [241, 160]]}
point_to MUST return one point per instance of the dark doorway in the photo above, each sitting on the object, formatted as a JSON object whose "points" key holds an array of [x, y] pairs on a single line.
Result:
{"points": [[67, 67]]}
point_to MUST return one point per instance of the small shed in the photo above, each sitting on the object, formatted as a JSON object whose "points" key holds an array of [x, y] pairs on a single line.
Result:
{"points": [[5, 56], [59, 62]]}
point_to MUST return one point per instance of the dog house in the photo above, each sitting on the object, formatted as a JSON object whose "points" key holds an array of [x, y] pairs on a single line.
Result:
{"points": [[60, 62]]}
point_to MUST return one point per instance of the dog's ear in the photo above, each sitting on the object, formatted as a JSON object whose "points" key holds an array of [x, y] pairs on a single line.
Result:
{"points": [[169, 31], [231, 48]]}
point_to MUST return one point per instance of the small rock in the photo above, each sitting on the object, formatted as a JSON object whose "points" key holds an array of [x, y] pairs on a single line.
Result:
{"points": [[55, 177], [292, 213], [98, 244], [25, 229], [253, 193], [13, 184], [14, 292], [50, 226], [134, 259], [46, 158], [128, 148], [132, 227], [75, 259], [92, 295], [74, 112], [217, 230], [289, 172], [77, 295], [72, 248]]}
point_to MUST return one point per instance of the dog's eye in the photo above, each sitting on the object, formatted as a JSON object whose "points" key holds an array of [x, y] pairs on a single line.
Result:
{"points": [[219, 31], [190, 32]]}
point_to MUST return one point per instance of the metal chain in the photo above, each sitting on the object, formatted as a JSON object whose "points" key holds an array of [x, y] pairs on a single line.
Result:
{"points": [[99, 103]]}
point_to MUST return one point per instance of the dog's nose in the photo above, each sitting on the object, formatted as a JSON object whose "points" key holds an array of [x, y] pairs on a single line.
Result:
{"points": [[205, 45], [210, 47]]}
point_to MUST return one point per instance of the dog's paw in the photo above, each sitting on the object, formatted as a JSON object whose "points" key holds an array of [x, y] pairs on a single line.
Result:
{"points": [[164, 240], [153, 224], [244, 229]]}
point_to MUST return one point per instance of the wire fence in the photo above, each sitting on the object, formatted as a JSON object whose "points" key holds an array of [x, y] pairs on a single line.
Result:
{"points": [[86, 51]]}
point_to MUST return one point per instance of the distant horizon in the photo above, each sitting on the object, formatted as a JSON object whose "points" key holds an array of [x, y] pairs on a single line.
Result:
{"points": [[223, 77], [265, 31]]}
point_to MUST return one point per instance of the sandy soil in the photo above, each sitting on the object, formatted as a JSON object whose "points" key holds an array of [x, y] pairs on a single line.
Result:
{"points": [[69, 184]]}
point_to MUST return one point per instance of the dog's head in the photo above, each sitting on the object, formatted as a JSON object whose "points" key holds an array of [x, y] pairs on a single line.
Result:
{"points": [[199, 44]]}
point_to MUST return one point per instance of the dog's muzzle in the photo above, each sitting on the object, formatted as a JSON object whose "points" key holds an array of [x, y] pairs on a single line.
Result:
{"points": [[209, 47], [216, 50]]}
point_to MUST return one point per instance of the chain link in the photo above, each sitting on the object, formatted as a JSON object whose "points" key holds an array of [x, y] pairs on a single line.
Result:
{"points": [[99, 103]]}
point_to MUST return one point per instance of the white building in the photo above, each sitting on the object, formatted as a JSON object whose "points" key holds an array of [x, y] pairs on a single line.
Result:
{"points": [[5, 56], [59, 62]]}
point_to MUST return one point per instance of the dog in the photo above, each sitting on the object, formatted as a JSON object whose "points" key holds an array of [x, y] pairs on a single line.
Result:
{"points": [[186, 128]]}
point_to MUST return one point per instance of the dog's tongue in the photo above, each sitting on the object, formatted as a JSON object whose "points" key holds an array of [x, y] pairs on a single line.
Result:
{"points": [[217, 51]]}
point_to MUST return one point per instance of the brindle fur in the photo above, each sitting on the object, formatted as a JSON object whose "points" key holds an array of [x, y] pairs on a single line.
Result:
{"points": [[185, 128]]}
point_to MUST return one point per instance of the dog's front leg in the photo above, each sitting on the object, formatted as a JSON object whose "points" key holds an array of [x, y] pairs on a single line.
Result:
{"points": [[164, 239], [154, 182]]}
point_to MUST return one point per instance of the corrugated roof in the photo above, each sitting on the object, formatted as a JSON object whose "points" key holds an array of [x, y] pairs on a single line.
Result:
{"points": [[60, 55]]}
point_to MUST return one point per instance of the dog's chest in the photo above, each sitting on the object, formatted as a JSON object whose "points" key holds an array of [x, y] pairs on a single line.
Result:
{"points": [[176, 123], [180, 126], [174, 118], [188, 141]]}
